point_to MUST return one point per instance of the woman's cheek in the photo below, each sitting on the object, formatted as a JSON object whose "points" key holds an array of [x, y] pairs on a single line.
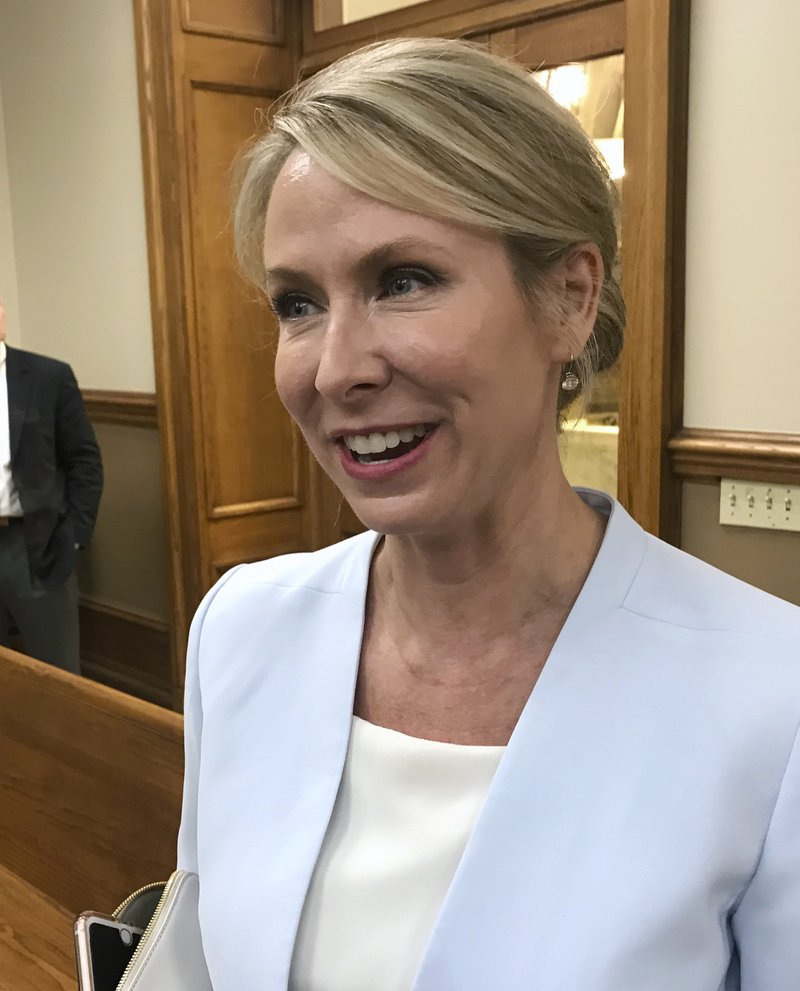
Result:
{"points": [[295, 374]]}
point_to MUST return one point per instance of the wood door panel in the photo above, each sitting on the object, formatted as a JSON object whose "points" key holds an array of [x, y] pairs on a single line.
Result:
{"points": [[229, 63], [572, 37], [250, 450], [249, 20], [256, 537]]}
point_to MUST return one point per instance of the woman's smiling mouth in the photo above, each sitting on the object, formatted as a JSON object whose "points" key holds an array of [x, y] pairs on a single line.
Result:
{"points": [[379, 447], [378, 454]]}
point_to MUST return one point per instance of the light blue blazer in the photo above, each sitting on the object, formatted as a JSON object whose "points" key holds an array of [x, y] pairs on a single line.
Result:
{"points": [[642, 832]]}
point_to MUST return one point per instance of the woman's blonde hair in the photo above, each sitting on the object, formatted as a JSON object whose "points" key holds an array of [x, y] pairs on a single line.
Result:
{"points": [[446, 129]]}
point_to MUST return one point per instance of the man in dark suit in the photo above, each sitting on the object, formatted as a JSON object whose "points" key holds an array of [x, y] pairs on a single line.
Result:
{"points": [[51, 478]]}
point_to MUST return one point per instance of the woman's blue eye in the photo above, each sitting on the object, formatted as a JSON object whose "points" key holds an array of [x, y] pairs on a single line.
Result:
{"points": [[406, 283], [402, 286], [290, 306]]}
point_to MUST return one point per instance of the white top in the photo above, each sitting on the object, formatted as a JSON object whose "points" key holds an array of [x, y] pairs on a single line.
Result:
{"points": [[403, 815], [9, 498]]}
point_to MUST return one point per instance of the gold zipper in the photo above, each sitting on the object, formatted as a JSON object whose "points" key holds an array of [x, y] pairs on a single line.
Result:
{"points": [[170, 884], [148, 887]]}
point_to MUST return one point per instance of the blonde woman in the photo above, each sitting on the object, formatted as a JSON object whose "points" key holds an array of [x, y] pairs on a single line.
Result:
{"points": [[505, 739]]}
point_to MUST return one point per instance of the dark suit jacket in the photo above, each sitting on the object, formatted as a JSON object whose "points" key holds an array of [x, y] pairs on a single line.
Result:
{"points": [[55, 462]]}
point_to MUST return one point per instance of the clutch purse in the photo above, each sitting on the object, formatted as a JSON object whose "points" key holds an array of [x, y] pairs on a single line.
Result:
{"points": [[169, 956]]}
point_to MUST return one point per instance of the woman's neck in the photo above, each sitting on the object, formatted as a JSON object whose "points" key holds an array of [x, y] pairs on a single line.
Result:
{"points": [[496, 574]]}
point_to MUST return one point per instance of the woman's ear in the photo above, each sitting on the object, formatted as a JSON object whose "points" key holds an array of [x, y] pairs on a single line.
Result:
{"points": [[582, 281]]}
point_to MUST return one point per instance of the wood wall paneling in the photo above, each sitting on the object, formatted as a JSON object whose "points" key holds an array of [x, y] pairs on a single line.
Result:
{"points": [[159, 67], [126, 649], [709, 455], [251, 454], [571, 36], [654, 205], [244, 20], [224, 62], [133, 409], [123, 574], [126, 561], [568, 37], [255, 461], [258, 535]]}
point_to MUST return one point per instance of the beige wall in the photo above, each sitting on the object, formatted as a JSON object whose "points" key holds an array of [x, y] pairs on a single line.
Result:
{"points": [[743, 220], [68, 79], [127, 560], [74, 270], [8, 265], [765, 558], [743, 252]]}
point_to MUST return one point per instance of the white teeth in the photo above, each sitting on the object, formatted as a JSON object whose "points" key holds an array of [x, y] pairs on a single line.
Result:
{"points": [[377, 443]]}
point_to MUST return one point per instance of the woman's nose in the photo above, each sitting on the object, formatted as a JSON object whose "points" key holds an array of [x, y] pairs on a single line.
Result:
{"points": [[351, 362]]}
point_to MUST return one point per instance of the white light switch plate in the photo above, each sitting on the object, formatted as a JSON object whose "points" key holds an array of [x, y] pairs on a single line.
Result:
{"points": [[757, 504]]}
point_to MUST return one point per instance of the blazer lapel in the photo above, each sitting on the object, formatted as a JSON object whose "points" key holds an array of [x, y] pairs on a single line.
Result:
{"points": [[500, 924], [18, 381], [272, 804]]}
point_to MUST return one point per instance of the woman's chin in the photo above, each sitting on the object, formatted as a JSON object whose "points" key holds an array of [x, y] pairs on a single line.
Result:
{"points": [[400, 516]]}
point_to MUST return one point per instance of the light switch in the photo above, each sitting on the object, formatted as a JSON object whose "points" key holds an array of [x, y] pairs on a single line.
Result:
{"points": [[760, 505]]}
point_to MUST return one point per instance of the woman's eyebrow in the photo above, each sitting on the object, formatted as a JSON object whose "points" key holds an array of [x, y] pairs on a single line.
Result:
{"points": [[281, 273], [382, 254], [375, 258]]}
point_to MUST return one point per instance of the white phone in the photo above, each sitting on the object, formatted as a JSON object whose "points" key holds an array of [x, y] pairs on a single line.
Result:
{"points": [[103, 948]]}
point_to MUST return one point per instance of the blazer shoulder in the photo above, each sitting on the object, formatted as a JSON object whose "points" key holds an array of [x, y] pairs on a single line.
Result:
{"points": [[676, 588], [323, 572], [39, 362]]}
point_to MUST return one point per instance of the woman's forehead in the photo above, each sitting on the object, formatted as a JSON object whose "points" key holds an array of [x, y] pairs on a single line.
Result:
{"points": [[310, 212], [307, 198]]}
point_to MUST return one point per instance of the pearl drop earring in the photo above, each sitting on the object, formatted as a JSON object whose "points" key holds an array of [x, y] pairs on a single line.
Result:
{"points": [[570, 382]]}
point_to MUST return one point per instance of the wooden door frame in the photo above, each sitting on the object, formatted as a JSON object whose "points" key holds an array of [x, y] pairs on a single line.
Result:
{"points": [[165, 208], [654, 259]]}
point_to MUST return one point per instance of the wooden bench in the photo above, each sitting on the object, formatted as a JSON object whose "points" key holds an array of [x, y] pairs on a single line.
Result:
{"points": [[90, 788]]}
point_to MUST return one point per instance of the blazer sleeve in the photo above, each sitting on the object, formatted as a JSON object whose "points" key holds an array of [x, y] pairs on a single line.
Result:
{"points": [[79, 457], [766, 925], [193, 730]]}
